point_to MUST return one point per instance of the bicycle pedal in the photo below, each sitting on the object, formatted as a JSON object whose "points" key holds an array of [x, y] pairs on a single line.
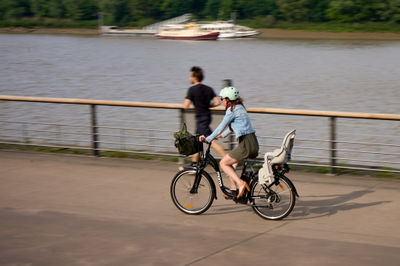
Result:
{"points": [[241, 200], [232, 194], [228, 197]]}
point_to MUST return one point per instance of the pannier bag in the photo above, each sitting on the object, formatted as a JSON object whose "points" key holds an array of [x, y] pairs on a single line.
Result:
{"points": [[187, 143]]}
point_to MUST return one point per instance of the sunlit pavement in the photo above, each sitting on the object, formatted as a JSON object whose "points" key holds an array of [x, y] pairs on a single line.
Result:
{"points": [[74, 210]]}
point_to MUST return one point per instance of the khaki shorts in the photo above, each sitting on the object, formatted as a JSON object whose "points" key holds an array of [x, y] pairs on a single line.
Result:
{"points": [[248, 145]]}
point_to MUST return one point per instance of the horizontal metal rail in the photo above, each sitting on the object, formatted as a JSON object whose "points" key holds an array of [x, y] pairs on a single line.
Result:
{"points": [[108, 131], [346, 167], [180, 107], [159, 138], [136, 129], [49, 145], [50, 131], [42, 123], [57, 140], [366, 135], [140, 152]]}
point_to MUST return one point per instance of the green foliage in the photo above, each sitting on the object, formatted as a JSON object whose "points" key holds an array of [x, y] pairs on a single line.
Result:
{"points": [[386, 175], [143, 10], [174, 8], [265, 21], [211, 9], [268, 21], [48, 23], [295, 10], [257, 8], [363, 10], [264, 13], [392, 13], [40, 8], [10, 9], [317, 10], [226, 9], [80, 10]]}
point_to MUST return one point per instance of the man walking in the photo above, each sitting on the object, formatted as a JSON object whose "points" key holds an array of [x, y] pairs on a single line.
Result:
{"points": [[202, 97]]}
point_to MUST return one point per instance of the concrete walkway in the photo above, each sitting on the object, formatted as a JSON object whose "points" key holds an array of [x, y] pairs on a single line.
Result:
{"points": [[74, 210]]}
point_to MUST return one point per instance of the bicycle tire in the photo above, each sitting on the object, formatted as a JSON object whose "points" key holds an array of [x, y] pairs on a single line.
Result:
{"points": [[192, 203], [276, 206]]}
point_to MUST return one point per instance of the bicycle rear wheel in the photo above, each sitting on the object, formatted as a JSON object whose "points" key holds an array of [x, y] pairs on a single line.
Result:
{"points": [[274, 203], [192, 202]]}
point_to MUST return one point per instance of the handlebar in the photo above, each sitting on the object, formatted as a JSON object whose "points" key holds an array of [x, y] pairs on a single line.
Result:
{"points": [[198, 139], [209, 144]]}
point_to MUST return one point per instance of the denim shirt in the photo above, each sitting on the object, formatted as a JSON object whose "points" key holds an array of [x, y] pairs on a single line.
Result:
{"points": [[239, 121]]}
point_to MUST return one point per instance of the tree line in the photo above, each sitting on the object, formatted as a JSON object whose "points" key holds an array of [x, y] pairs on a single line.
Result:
{"points": [[142, 12]]}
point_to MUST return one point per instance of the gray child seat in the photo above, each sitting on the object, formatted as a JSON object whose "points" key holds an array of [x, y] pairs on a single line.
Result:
{"points": [[278, 156]]}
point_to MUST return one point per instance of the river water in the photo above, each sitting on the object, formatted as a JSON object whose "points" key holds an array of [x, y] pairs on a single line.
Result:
{"points": [[334, 75], [361, 76]]}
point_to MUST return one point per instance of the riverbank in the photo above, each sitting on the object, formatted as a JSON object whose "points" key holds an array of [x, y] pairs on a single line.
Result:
{"points": [[265, 33], [74, 31], [299, 34]]}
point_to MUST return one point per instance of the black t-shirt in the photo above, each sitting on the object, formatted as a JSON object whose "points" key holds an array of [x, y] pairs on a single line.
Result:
{"points": [[201, 96]]}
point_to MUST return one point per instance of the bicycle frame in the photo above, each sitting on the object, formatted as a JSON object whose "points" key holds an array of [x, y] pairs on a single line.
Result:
{"points": [[206, 159]]}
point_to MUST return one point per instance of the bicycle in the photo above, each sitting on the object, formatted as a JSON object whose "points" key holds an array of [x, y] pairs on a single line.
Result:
{"points": [[193, 190]]}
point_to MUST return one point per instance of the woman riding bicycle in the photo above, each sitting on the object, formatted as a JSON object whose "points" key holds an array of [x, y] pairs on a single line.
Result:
{"points": [[237, 120]]}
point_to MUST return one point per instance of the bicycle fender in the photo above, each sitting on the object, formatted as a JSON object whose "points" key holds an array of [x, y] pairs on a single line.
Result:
{"points": [[214, 188], [291, 184]]}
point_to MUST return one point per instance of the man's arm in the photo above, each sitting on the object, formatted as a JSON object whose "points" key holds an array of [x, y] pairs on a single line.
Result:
{"points": [[216, 101], [186, 103]]}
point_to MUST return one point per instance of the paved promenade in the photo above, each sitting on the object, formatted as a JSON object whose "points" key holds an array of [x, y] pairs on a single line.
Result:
{"points": [[73, 210]]}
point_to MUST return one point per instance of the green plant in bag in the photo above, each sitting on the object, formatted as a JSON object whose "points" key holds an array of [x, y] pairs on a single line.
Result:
{"points": [[185, 142]]}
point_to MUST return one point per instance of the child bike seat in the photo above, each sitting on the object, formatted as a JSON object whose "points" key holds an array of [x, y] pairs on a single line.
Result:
{"points": [[278, 156], [282, 155]]}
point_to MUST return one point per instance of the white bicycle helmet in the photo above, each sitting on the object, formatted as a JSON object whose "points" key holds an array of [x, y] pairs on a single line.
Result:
{"points": [[229, 92]]}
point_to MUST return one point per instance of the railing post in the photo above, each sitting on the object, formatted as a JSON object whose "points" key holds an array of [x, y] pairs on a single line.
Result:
{"points": [[182, 120], [227, 83], [182, 116], [94, 130], [58, 134], [25, 134], [333, 144], [122, 139], [151, 140]]}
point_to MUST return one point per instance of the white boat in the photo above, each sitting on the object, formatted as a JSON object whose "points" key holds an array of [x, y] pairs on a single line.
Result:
{"points": [[115, 31], [149, 30], [228, 29], [243, 31], [189, 31]]}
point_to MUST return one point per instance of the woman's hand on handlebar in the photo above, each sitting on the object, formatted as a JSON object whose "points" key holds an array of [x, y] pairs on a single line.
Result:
{"points": [[202, 138]]}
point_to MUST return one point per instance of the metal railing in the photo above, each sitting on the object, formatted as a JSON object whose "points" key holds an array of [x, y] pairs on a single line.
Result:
{"points": [[316, 151]]}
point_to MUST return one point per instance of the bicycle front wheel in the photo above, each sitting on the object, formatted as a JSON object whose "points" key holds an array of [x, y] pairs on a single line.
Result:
{"points": [[187, 200], [274, 203]]}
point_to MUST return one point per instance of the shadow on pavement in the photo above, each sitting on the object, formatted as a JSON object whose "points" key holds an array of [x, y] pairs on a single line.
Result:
{"points": [[310, 207], [307, 207], [227, 209]]}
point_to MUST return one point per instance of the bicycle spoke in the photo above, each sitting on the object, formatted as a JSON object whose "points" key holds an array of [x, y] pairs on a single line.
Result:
{"points": [[273, 203], [192, 202]]}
